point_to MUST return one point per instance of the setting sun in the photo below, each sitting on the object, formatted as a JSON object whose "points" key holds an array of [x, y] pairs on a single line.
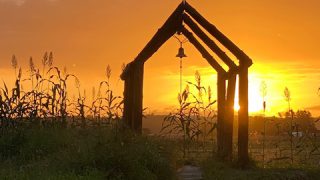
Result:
{"points": [[236, 107]]}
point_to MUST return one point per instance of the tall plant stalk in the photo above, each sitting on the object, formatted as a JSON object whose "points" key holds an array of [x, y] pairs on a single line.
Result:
{"points": [[287, 96], [263, 89]]}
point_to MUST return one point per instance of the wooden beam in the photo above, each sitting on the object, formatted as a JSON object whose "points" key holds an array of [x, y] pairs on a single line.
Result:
{"points": [[221, 89], [243, 58], [209, 42], [243, 130], [203, 51], [170, 27], [229, 119]]}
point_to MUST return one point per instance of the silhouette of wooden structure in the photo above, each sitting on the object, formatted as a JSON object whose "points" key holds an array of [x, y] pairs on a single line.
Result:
{"points": [[186, 15]]}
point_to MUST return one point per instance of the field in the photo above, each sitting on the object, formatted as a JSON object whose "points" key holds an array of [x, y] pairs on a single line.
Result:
{"points": [[33, 152], [277, 143], [46, 134], [90, 153]]}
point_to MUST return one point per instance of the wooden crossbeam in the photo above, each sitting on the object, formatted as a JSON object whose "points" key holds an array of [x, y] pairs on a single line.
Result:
{"points": [[205, 54], [218, 35], [209, 42], [169, 28]]}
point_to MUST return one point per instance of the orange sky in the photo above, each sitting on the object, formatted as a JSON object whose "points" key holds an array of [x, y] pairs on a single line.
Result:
{"points": [[281, 36]]}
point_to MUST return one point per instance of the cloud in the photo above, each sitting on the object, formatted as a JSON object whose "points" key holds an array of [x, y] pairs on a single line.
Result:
{"points": [[16, 2], [317, 108], [21, 2]]}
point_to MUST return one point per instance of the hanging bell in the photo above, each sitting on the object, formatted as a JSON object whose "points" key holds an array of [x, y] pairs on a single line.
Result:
{"points": [[181, 53]]}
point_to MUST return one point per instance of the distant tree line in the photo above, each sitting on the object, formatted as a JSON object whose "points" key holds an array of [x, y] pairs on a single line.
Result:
{"points": [[302, 122]]}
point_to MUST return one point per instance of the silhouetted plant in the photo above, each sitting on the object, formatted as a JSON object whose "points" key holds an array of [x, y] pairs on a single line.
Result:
{"points": [[48, 97], [191, 118], [14, 64], [287, 96], [106, 104], [263, 91]]}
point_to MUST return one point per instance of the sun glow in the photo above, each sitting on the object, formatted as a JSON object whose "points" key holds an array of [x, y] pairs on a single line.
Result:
{"points": [[236, 107], [258, 73]]}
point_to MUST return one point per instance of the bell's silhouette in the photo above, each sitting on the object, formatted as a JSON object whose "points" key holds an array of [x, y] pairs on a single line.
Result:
{"points": [[181, 53]]}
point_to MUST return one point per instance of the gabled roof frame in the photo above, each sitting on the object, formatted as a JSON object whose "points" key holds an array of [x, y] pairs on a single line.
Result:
{"points": [[133, 76]]}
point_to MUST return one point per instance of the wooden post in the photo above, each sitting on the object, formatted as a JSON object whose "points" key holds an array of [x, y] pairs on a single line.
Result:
{"points": [[127, 95], [133, 96], [243, 131], [228, 125], [221, 89], [138, 97]]}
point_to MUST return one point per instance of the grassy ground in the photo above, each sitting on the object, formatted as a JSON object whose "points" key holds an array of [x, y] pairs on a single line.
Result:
{"points": [[214, 169], [91, 153], [101, 153]]}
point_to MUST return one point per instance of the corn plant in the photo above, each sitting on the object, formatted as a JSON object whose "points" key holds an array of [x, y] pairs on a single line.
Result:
{"points": [[191, 119], [48, 98], [106, 104], [79, 105], [203, 113]]}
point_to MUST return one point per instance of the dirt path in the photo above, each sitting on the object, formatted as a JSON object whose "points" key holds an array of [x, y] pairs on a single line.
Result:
{"points": [[190, 173]]}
